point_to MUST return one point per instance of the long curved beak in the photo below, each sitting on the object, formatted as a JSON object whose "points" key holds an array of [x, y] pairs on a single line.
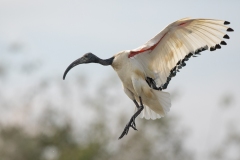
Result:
{"points": [[73, 64]]}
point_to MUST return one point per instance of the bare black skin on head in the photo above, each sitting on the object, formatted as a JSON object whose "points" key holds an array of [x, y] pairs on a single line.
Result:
{"points": [[88, 58]]}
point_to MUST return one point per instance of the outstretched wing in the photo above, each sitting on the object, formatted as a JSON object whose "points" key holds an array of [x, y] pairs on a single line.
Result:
{"points": [[166, 53]]}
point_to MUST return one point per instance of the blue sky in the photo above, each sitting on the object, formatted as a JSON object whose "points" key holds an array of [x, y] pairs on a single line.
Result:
{"points": [[58, 32]]}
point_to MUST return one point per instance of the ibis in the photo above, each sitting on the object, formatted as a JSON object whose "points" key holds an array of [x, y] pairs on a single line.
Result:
{"points": [[147, 70]]}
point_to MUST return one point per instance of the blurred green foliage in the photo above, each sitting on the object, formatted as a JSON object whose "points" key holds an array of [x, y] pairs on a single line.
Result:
{"points": [[53, 141], [157, 140], [54, 136]]}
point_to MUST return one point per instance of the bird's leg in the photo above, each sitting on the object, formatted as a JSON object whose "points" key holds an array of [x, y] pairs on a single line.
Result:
{"points": [[138, 107], [136, 103], [132, 120]]}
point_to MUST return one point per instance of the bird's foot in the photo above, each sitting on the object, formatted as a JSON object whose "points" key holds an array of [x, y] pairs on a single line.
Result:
{"points": [[132, 124]]}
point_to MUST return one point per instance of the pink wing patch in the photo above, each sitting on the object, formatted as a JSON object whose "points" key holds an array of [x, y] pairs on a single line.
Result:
{"points": [[133, 53], [181, 24]]}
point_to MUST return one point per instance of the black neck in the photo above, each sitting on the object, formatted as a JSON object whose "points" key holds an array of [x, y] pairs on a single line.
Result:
{"points": [[105, 62]]}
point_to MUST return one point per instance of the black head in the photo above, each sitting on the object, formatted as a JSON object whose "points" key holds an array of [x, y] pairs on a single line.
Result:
{"points": [[86, 58]]}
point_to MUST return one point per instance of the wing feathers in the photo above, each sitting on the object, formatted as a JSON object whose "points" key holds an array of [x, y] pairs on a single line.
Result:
{"points": [[168, 51], [213, 37]]}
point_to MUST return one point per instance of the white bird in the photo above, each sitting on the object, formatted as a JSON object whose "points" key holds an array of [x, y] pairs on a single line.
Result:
{"points": [[148, 69]]}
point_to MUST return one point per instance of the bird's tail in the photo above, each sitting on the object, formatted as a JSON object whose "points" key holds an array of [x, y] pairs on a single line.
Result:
{"points": [[158, 107]]}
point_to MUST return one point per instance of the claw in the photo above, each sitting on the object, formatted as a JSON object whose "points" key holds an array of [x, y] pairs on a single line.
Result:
{"points": [[134, 127], [126, 129], [132, 123], [123, 133]]}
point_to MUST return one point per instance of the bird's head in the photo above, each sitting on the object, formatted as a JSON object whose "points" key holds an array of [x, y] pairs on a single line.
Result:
{"points": [[86, 58]]}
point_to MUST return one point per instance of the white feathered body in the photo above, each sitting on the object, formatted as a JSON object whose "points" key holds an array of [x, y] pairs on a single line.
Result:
{"points": [[156, 103], [161, 57]]}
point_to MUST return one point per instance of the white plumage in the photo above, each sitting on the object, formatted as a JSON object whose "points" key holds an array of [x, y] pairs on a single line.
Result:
{"points": [[175, 42], [162, 56], [148, 69]]}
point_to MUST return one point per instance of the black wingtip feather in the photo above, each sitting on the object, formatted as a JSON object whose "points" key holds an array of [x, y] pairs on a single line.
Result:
{"points": [[218, 46], [223, 43], [226, 22], [212, 48], [230, 30], [226, 36]]}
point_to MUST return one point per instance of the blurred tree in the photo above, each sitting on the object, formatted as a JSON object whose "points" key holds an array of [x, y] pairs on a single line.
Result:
{"points": [[157, 140], [229, 147], [55, 137], [226, 100]]}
